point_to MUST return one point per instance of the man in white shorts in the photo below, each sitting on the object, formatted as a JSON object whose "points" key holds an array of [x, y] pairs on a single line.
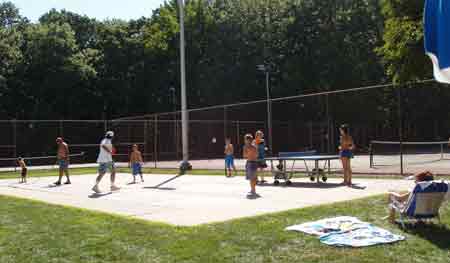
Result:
{"points": [[106, 162]]}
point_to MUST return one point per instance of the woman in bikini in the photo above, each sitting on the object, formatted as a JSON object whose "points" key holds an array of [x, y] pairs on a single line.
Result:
{"points": [[346, 153]]}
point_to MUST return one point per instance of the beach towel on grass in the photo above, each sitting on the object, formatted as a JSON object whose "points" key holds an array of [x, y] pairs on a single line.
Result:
{"points": [[347, 231]]}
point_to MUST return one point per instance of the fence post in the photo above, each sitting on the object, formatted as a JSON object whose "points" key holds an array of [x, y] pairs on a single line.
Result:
{"points": [[225, 122], [237, 135], [145, 140], [61, 134], [155, 143], [15, 140], [400, 126]]}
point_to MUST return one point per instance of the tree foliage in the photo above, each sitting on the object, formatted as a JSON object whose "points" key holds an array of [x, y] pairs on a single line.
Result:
{"points": [[72, 66]]}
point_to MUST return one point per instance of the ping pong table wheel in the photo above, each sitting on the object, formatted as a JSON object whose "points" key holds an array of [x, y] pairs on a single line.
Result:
{"points": [[324, 179], [288, 182], [312, 178], [276, 182]]}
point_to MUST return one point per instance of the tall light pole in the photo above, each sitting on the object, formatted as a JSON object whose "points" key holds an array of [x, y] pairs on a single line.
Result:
{"points": [[184, 114], [266, 69]]}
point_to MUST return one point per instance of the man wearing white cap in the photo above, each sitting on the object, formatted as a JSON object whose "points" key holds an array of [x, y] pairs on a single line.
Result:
{"points": [[106, 162]]}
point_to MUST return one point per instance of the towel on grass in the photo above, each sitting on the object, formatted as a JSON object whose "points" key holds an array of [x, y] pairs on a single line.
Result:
{"points": [[347, 231]]}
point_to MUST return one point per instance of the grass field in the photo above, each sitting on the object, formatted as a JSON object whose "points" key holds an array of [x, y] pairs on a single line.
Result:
{"points": [[32, 231]]}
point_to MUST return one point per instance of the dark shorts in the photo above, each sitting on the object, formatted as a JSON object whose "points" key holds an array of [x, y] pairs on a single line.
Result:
{"points": [[229, 161], [346, 154], [262, 164], [137, 168], [24, 172], [63, 164], [250, 170]]}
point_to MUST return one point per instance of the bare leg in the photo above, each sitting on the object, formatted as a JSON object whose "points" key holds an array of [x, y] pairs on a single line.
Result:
{"points": [[349, 172], [113, 176], [61, 172], [67, 175], [253, 185], [344, 167], [99, 178]]}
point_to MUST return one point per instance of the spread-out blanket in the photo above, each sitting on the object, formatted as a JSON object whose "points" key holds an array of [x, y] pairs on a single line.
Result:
{"points": [[347, 231]]}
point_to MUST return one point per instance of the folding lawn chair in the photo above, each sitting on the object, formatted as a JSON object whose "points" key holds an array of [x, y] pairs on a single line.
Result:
{"points": [[423, 203]]}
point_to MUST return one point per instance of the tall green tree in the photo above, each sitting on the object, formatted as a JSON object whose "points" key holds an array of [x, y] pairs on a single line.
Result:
{"points": [[403, 51]]}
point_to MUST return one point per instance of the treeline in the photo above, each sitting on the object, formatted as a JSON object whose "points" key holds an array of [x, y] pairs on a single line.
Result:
{"points": [[69, 66]]}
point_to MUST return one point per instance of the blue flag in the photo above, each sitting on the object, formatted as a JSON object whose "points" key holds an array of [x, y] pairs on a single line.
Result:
{"points": [[437, 37]]}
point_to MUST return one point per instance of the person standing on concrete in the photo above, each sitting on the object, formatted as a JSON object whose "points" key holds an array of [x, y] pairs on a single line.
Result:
{"points": [[63, 160], [106, 163]]}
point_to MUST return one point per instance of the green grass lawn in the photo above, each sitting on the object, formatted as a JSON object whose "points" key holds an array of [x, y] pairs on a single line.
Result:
{"points": [[32, 231]]}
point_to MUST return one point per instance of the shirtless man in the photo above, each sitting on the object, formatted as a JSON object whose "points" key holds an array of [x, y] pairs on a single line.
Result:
{"points": [[63, 160]]}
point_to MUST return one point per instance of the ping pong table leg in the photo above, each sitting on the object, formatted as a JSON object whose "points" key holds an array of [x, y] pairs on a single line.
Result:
{"points": [[317, 170], [329, 168]]}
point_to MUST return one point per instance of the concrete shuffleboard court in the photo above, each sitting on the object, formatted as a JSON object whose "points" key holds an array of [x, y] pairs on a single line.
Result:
{"points": [[192, 200]]}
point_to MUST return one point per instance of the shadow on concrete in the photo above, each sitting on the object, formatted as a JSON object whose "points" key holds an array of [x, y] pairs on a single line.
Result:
{"points": [[52, 186], [305, 185], [99, 195], [160, 188]]}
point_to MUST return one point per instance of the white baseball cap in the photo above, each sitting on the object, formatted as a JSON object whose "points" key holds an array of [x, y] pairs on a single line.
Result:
{"points": [[109, 133]]}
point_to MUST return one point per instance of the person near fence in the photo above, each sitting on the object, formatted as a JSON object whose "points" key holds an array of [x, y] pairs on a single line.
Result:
{"points": [[23, 173], [62, 157], [251, 154], [105, 162], [261, 149], [136, 162], [229, 158], [346, 148]]}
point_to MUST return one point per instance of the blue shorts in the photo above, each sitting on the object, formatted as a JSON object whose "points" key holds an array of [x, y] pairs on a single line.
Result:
{"points": [[346, 154], [63, 164], [136, 168], [229, 161], [104, 167], [250, 170]]}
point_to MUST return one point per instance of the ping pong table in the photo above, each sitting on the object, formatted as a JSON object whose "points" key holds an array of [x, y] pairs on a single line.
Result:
{"points": [[282, 172]]}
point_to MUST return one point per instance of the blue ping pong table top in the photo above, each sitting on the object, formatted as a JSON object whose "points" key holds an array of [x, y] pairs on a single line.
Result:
{"points": [[305, 158]]}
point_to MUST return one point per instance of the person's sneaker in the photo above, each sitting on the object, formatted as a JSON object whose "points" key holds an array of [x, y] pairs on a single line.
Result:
{"points": [[96, 189], [57, 183], [142, 180], [114, 188], [68, 182]]}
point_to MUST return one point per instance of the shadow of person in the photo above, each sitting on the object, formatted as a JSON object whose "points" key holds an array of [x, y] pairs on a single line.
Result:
{"points": [[99, 195], [439, 235], [159, 188]]}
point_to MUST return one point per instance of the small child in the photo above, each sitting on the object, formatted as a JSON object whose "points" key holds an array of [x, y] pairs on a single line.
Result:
{"points": [[250, 153], [261, 149], [21, 163], [229, 158], [136, 163]]}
